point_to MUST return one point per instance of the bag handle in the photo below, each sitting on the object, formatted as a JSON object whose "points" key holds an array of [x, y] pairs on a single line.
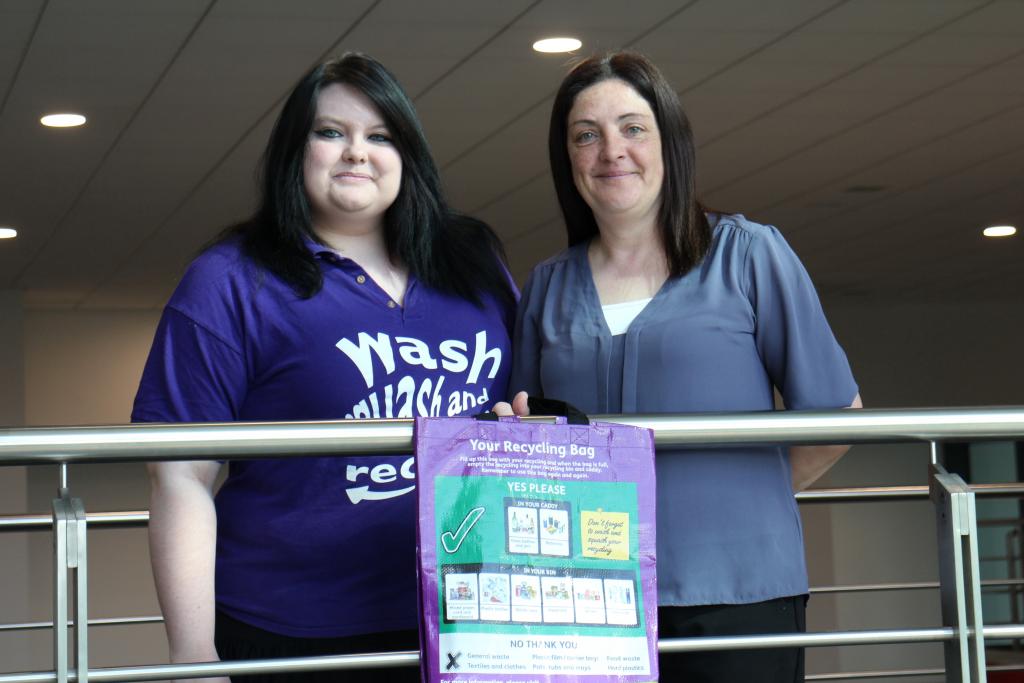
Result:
{"points": [[539, 405]]}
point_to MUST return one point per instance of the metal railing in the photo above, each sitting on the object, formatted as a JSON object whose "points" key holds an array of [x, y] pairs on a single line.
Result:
{"points": [[859, 494], [962, 633]]}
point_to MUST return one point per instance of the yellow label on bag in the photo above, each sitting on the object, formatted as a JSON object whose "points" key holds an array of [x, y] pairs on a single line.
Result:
{"points": [[605, 535]]}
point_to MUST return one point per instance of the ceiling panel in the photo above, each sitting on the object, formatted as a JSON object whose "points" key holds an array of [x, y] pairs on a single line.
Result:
{"points": [[759, 17], [896, 167], [890, 217], [530, 213], [886, 153], [17, 19], [1000, 18], [885, 16], [75, 62], [519, 151], [188, 126], [422, 42], [793, 102], [538, 243], [146, 276]]}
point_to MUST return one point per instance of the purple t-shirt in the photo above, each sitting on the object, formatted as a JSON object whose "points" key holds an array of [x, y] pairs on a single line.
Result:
{"points": [[745, 320], [318, 546]]}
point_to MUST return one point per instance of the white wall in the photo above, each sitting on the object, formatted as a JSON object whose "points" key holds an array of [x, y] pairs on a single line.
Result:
{"points": [[82, 368], [13, 488]]}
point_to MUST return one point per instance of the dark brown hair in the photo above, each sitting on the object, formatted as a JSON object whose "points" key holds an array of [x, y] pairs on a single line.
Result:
{"points": [[685, 232]]}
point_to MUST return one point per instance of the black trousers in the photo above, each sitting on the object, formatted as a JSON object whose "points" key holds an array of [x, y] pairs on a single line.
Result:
{"points": [[237, 640], [785, 615]]}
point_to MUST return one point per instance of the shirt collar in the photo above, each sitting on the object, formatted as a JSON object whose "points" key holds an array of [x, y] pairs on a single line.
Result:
{"points": [[319, 250]]}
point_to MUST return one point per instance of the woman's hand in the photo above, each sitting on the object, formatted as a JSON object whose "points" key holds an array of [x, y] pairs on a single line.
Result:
{"points": [[518, 407]]}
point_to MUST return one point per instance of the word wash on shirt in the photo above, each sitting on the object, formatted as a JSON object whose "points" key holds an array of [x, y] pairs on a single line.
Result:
{"points": [[453, 353], [414, 393]]}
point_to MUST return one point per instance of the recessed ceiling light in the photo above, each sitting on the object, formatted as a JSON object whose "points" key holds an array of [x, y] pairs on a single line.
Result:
{"points": [[62, 120], [1000, 231], [557, 45], [8, 233]]}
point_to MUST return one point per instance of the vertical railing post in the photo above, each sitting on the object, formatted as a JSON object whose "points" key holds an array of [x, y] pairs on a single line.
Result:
{"points": [[79, 566], [60, 589], [70, 554], [1013, 591], [1018, 572], [959, 577]]}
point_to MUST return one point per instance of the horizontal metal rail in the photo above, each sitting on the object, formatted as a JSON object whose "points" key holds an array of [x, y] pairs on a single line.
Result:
{"points": [[866, 675], [906, 586], [874, 494], [411, 658], [1003, 632], [127, 518], [899, 673], [988, 584], [154, 442], [824, 639], [843, 676], [111, 621], [256, 666], [1001, 521], [137, 518]]}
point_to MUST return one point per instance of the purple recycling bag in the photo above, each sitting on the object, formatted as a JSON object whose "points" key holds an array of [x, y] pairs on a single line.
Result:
{"points": [[536, 551]]}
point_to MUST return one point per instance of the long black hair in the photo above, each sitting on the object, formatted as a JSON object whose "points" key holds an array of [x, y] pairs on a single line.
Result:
{"points": [[444, 249], [685, 232]]}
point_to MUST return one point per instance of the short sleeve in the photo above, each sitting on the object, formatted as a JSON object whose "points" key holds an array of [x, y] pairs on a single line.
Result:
{"points": [[526, 342], [191, 375], [794, 339]]}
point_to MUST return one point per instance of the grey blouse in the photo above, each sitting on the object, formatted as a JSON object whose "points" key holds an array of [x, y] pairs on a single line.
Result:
{"points": [[745, 320]]}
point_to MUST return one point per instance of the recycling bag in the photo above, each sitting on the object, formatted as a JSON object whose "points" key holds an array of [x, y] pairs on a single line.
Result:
{"points": [[536, 553]]}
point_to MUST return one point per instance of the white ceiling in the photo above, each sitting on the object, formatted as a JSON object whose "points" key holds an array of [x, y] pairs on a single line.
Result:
{"points": [[794, 102]]}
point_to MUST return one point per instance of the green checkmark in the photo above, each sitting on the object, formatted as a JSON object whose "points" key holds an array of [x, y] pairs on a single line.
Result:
{"points": [[453, 540]]}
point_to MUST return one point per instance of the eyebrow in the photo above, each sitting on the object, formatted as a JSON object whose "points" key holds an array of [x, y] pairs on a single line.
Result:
{"points": [[327, 118], [623, 117]]}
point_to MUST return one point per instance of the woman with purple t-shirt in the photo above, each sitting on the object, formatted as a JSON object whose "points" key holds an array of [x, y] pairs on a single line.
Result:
{"points": [[353, 292], [660, 307]]}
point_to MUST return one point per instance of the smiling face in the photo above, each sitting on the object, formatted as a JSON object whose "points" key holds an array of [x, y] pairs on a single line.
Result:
{"points": [[615, 151], [351, 171]]}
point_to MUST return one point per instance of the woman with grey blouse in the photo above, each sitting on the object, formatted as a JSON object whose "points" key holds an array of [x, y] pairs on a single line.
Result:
{"points": [[660, 307]]}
